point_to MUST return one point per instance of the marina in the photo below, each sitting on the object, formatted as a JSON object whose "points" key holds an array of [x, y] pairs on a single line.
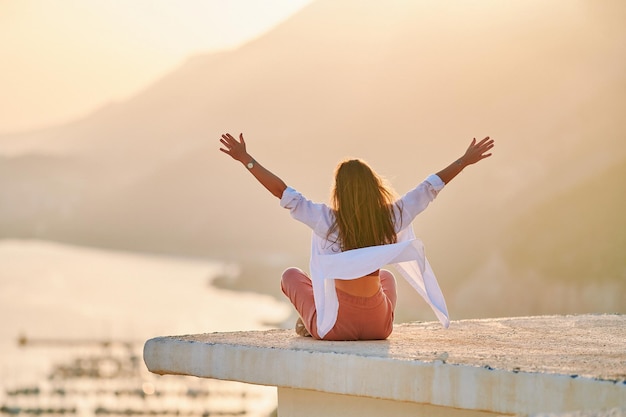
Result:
{"points": [[108, 378], [73, 321]]}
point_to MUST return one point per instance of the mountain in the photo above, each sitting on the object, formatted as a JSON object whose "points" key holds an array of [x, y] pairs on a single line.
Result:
{"points": [[564, 256], [578, 235], [403, 84]]}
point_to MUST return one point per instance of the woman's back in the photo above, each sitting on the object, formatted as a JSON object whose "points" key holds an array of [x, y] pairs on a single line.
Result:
{"points": [[361, 287], [363, 217]]}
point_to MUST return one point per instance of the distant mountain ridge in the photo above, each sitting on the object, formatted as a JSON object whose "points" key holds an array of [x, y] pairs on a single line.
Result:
{"points": [[402, 84], [578, 235]]}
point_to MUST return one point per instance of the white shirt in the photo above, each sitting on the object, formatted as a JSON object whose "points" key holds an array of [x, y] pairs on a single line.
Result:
{"points": [[329, 263]]}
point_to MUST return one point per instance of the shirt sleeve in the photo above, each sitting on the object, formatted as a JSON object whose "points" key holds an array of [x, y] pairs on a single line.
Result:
{"points": [[317, 216], [415, 201]]}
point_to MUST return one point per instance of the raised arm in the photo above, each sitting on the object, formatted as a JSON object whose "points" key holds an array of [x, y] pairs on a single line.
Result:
{"points": [[474, 153], [237, 150]]}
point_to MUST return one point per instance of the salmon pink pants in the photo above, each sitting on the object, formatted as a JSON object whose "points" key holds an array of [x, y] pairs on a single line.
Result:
{"points": [[359, 318]]}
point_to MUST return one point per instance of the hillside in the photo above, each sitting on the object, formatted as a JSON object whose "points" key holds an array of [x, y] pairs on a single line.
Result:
{"points": [[576, 236], [564, 256]]}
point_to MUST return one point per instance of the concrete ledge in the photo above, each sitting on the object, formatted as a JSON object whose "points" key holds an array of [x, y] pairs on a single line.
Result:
{"points": [[613, 412], [511, 365]]}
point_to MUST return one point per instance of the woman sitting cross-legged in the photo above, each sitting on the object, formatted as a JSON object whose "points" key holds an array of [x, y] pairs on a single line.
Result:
{"points": [[347, 295]]}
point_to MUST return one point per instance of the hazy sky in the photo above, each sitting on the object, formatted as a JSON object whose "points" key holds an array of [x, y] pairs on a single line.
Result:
{"points": [[64, 58]]}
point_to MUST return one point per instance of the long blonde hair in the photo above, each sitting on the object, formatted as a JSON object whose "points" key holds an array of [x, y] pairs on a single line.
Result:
{"points": [[363, 206]]}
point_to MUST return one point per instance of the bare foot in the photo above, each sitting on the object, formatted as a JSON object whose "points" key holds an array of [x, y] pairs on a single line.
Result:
{"points": [[300, 329]]}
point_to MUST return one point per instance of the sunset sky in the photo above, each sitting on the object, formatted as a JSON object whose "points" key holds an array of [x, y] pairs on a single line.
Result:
{"points": [[64, 58]]}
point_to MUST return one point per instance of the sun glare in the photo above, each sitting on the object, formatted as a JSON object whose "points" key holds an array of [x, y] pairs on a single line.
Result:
{"points": [[62, 59]]}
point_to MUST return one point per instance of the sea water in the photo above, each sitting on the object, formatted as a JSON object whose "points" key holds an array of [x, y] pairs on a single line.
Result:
{"points": [[73, 321]]}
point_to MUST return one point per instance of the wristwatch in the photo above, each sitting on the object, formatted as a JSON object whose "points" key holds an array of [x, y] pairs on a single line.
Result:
{"points": [[250, 164]]}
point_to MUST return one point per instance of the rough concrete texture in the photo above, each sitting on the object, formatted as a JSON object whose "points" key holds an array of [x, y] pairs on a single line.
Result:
{"points": [[592, 346], [613, 412], [507, 365]]}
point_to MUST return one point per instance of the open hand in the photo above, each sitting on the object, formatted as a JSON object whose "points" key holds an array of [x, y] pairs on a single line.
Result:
{"points": [[477, 151], [233, 147]]}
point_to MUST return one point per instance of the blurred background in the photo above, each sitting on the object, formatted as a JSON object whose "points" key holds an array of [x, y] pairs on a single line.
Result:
{"points": [[120, 219]]}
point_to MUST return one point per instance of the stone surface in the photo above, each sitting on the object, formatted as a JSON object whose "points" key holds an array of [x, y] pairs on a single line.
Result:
{"points": [[506, 365], [613, 412], [591, 346]]}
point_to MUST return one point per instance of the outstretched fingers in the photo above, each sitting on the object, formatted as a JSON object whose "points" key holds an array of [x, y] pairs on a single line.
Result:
{"points": [[227, 139], [233, 147], [227, 142], [484, 146], [486, 142], [477, 151]]}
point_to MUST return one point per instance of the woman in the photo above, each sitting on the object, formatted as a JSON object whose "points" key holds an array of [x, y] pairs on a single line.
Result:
{"points": [[348, 296]]}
